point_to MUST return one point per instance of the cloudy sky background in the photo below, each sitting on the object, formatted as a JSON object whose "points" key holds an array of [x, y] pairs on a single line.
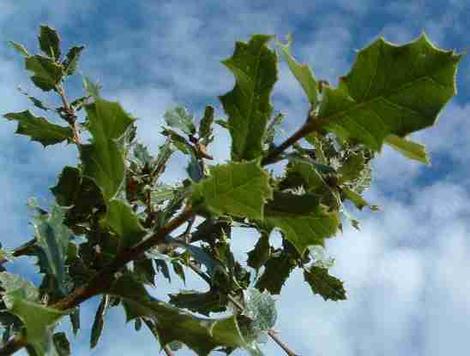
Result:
{"points": [[406, 271]]}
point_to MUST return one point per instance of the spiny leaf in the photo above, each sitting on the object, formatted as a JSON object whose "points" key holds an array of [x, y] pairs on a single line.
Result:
{"points": [[203, 303], [277, 270], [39, 129], [302, 73], [238, 189], [103, 159], [260, 307], [38, 320], [205, 126], [261, 252], [62, 344], [322, 283], [46, 73], [71, 59], [248, 106], [124, 222], [173, 324], [301, 219], [408, 148], [53, 238], [390, 90], [49, 42], [179, 118], [98, 323]]}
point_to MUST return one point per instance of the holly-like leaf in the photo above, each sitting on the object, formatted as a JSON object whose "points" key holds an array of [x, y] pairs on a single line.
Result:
{"points": [[46, 74], [203, 303], [103, 159], [180, 118], [302, 220], [205, 126], [261, 252], [357, 199], [248, 105], [238, 189], [49, 42], [408, 148], [98, 323], [79, 194], [302, 73], [62, 344], [322, 283], [390, 90], [53, 238], [38, 320], [124, 222], [70, 62], [173, 324], [39, 129], [276, 271]]}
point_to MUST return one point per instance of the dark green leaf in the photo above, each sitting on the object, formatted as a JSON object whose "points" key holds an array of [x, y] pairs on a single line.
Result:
{"points": [[98, 323], [61, 343], [46, 74], [390, 90], [71, 59], [49, 42], [248, 105], [39, 129], [301, 219], [322, 283], [238, 189], [205, 126], [277, 270], [260, 254], [173, 324], [203, 303]]}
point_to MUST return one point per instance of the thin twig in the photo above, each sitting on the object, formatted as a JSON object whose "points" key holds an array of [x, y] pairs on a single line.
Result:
{"points": [[70, 115]]}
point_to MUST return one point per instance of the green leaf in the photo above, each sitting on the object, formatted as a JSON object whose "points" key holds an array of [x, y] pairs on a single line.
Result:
{"points": [[203, 303], [39, 129], [18, 47], [70, 62], [80, 194], [301, 219], [103, 159], [173, 324], [322, 283], [49, 42], [46, 74], [303, 173], [408, 148], [179, 118], [357, 199], [91, 88], [53, 238], [98, 323], [390, 90], [261, 252], [124, 222], [38, 320], [238, 189], [302, 73], [62, 344], [205, 126], [276, 271], [248, 105]]}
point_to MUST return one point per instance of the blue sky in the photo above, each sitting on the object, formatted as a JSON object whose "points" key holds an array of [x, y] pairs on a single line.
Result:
{"points": [[406, 271]]}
